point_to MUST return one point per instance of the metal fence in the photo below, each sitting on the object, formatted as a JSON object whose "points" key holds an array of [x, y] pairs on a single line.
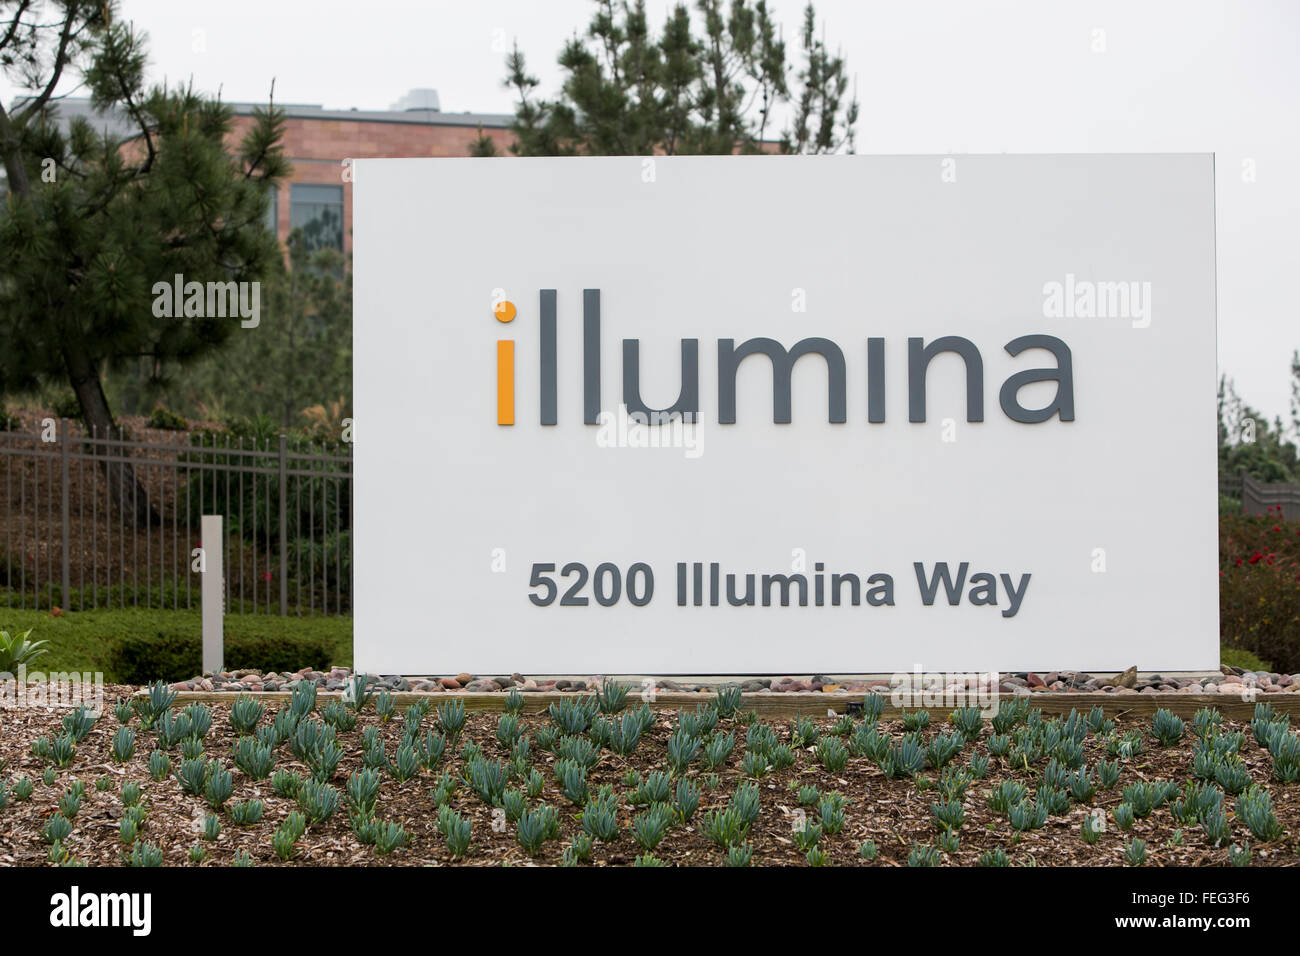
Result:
{"points": [[1257, 497], [94, 522]]}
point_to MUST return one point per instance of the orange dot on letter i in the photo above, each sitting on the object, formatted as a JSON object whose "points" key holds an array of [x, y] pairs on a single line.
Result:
{"points": [[505, 369]]}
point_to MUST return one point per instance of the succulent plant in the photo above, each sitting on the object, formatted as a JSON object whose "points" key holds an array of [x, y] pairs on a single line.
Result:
{"points": [[219, 787], [69, 803], [760, 738], [1091, 827], [191, 747], [650, 825], [57, 829], [754, 765], [612, 696], [535, 827], [1082, 785], [123, 711], [831, 813], [123, 744], [1135, 854], [686, 799], [192, 775], [128, 830], [1231, 775], [572, 778], [286, 783], [79, 723], [968, 721], [407, 763], [198, 853], [996, 857], [443, 789], [942, 748], [1167, 727], [724, 827], [362, 791], [600, 820], [1027, 816], [488, 779], [739, 855], [63, 750], [324, 760], [211, 827], [23, 789], [832, 754], [904, 758], [303, 701], [1054, 799], [999, 745], [682, 749], [1108, 773], [867, 850], [173, 728], [318, 801], [1206, 722], [389, 837], [727, 700], [718, 749], [1124, 816], [1255, 809], [950, 815], [339, 716], [697, 723], [949, 841], [979, 766], [144, 854], [254, 758], [48, 776], [284, 841], [246, 813], [803, 732], [573, 715], [916, 720], [578, 749], [922, 855]]}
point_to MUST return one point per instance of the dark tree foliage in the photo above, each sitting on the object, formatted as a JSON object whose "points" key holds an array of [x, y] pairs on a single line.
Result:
{"points": [[704, 85], [91, 221]]}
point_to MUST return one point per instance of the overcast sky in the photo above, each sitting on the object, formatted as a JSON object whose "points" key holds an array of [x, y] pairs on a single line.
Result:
{"points": [[933, 76]]}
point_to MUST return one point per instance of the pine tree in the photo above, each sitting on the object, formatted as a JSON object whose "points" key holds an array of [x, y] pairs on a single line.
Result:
{"points": [[711, 87], [93, 221]]}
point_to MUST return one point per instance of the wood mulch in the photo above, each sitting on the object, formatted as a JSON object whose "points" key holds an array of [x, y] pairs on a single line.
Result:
{"points": [[893, 813]]}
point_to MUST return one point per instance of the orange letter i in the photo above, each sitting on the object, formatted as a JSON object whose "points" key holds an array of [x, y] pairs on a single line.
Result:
{"points": [[505, 312]]}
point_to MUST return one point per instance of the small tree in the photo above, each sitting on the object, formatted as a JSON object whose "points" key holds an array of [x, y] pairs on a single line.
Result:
{"points": [[628, 92], [300, 354], [92, 221]]}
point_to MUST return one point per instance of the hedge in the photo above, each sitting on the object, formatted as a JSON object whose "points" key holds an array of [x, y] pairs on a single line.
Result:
{"points": [[141, 659]]}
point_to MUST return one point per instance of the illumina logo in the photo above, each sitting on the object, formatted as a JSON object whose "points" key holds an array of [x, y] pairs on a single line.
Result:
{"points": [[729, 356]]}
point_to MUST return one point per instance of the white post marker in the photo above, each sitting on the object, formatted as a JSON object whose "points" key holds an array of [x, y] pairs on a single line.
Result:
{"points": [[212, 593]]}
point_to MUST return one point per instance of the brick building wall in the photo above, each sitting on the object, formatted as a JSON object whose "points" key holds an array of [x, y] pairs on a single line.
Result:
{"points": [[317, 146]]}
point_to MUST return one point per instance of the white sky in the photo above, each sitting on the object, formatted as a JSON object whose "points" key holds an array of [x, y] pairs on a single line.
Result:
{"points": [[933, 76]]}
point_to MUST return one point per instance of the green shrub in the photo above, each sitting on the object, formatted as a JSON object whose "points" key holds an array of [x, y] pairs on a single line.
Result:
{"points": [[1259, 603], [142, 658], [166, 420]]}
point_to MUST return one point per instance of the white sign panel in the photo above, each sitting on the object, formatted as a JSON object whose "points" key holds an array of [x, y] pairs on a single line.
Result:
{"points": [[785, 414]]}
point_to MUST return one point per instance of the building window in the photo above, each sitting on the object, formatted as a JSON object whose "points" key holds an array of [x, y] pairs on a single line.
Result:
{"points": [[318, 212]]}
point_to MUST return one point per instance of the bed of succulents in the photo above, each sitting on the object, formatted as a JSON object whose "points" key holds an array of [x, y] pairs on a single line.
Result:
{"points": [[606, 779]]}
